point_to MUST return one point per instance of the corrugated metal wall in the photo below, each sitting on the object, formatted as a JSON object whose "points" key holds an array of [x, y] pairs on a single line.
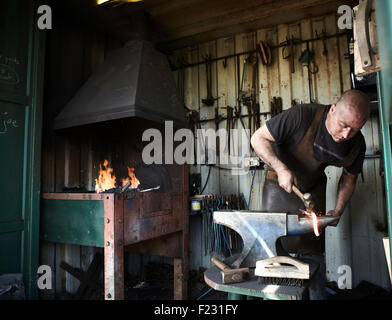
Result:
{"points": [[357, 241]]}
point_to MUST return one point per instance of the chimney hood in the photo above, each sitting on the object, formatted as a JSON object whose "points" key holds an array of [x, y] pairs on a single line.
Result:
{"points": [[134, 81]]}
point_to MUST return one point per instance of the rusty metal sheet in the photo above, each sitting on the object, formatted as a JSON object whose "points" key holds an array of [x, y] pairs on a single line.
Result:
{"points": [[114, 247], [142, 223]]}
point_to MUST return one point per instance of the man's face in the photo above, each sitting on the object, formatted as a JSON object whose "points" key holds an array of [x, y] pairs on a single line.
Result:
{"points": [[343, 122]]}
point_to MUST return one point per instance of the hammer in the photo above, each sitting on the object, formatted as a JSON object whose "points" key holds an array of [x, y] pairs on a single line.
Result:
{"points": [[305, 197], [230, 275]]}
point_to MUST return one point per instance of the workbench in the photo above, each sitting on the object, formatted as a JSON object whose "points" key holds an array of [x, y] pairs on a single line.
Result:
{"points": [[154, 222], [253, 288]]}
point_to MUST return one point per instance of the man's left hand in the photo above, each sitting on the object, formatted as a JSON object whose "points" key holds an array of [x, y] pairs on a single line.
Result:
{"points": [[334, 213]]}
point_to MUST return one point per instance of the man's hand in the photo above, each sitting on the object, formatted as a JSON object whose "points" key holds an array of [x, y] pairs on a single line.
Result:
{"points": [[346, 187], [285, 179], [334, 213]]}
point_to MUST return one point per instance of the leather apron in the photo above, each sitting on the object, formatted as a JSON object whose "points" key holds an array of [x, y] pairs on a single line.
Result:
{"points": [[310, 177]]}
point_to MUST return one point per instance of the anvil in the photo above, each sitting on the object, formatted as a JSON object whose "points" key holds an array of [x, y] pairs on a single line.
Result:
{"points": [[260, 230]]}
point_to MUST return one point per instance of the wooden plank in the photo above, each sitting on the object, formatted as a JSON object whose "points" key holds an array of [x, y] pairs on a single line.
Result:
{"points": [[263, 89], [284, 67], [345, 73], [191, 93], [60, 273], [245, 42], [179, 283], [298, 86], [306, 33], [208, 112], [332, 59], [72, 257], [47, 257], [227, 90], [257, 16], [322, 77]]}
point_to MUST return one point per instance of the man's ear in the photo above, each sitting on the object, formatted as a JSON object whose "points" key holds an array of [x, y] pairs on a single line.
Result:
{"points": [[333, 108]]}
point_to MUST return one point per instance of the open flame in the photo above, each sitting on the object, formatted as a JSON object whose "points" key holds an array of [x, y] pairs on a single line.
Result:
{"points": [[132, 178], [107, 180], [313, 215]]}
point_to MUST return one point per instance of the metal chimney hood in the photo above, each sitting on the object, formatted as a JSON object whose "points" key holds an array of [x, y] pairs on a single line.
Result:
{"points": [[134, 81]]}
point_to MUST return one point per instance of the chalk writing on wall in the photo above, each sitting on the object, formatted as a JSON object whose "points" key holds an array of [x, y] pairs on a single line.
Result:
{"points": [[8, 75], [6, 123]]}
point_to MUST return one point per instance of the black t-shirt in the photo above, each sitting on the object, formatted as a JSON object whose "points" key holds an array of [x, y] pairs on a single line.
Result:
{"points": [[289, 127]]}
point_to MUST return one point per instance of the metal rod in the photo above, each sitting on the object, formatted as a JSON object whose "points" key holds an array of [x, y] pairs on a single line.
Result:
{"points": [[240, 116], [255, 50], [150, 189]]}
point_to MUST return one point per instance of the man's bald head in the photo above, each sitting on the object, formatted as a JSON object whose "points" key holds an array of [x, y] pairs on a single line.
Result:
{"points": [[356, 102], [348, 115]]}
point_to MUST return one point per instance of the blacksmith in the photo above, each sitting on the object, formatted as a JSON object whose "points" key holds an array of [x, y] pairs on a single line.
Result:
{"points": [[297, 145]]}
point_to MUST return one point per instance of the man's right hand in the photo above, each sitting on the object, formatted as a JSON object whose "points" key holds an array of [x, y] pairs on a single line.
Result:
{"points": [[285, 179]]}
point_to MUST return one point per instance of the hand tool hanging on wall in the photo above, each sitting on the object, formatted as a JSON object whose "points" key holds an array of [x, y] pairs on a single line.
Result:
{"points": [[194, 122], [237, 115], [276, 106], [247, 88], [264, 52], [229, 125], [209, 101], [306, 59], [322, 36], [217, 119], [289, 45]]}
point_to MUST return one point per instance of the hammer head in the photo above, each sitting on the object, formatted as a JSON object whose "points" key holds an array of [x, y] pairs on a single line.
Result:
{"points": [[235, 275], [307, 199]]}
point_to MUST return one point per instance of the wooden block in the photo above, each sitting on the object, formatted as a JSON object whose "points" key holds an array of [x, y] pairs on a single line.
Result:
{"points": [[292, 268], [359, 67]]}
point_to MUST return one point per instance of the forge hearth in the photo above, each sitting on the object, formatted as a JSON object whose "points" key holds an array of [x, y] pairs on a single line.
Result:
{"points": [[147, 220]]}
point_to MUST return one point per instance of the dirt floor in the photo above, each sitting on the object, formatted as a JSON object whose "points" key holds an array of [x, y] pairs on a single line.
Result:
{"points": [[156, 283]]}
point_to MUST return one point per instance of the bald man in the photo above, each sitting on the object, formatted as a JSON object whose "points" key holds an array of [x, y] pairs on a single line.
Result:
{"points": [[298, 144]]}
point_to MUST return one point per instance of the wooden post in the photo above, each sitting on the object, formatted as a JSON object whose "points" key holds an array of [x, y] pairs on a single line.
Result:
{"points": [[181, 264]]}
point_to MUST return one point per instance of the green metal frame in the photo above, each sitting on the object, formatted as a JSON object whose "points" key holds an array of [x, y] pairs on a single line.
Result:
{"points": [[78, 222], [384, 84], [387, 156], [32, 170]]}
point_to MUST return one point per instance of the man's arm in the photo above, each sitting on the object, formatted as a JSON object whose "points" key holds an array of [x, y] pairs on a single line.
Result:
{"points": [[261, 142], [346, 187]]}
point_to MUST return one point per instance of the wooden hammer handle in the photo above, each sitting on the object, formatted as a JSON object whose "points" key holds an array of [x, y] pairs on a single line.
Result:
{"points": [[298, 193], [220, 264]]}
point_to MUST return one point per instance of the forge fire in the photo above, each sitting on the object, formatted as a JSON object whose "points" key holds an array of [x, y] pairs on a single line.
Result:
{"points": [[107, 180]]}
